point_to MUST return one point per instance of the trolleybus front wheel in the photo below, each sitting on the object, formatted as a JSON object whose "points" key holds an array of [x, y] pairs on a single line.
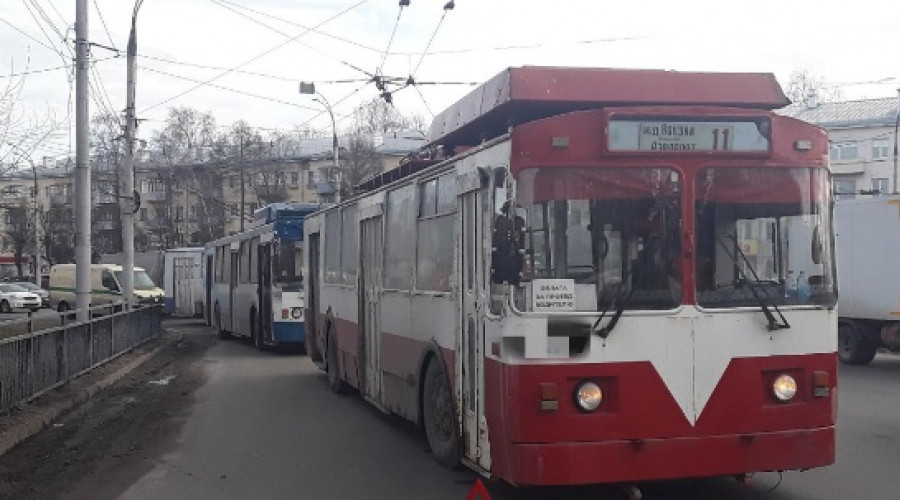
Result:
{"points": [[439, 417]]}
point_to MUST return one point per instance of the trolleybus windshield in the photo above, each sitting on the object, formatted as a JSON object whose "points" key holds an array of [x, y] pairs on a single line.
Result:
{"points": [[607, 231], [777, 223]]}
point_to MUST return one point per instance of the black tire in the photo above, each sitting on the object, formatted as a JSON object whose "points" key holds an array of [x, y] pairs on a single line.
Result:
{"points": [[63, 307], [854, 347], [34, 310], [223, 334], [439, 416], [4, 307], [335, 383]]}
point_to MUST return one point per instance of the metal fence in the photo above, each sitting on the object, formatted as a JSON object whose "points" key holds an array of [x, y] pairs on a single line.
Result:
{"points": [[37, 362]]}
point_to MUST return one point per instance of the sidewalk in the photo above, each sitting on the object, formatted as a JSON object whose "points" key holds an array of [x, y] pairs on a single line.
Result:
{"points": [[30, 418]]}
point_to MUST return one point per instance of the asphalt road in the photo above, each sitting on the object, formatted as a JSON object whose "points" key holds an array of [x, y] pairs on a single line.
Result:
{"points": [[264, 426]]}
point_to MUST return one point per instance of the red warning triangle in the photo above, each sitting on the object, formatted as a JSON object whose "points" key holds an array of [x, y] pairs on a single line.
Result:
{"points": [[478, 492]]}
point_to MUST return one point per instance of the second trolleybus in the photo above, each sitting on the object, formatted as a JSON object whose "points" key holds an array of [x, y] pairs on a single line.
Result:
{"points": [[253, 279], [593, 276]]}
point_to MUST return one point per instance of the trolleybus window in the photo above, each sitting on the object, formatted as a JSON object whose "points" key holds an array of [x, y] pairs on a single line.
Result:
{"points": [[768, 226], [434, 263], [609, 230], [349, 245], [333, 247], [288, 262], [399, 241]]}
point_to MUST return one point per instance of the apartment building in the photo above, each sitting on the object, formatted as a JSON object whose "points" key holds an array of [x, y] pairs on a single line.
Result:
{"points": [[861, 136], [185, 204]]}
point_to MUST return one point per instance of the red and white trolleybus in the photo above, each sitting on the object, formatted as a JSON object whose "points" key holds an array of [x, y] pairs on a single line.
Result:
{"points": [[593, 276]]}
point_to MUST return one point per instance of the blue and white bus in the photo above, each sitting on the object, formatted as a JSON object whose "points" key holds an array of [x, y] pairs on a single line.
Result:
{"points": [[254, 283]]}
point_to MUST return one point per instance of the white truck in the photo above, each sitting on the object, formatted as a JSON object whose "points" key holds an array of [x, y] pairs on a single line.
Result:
{"points": [[867, 240]]}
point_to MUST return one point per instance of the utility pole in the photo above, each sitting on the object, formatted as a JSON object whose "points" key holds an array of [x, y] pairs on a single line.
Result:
{"points": [[128, 204], [36, 219], [82, 167], [241, 167]]}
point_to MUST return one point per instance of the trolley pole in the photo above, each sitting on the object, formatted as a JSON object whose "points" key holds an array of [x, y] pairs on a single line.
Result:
{"points": [[128, 203], [82, 167]]}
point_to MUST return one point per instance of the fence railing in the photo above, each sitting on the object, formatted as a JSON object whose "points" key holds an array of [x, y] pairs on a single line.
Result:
{"points": [[33, 363]]}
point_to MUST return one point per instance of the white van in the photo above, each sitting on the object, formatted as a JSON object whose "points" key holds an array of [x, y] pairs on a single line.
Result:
{"points": [[106, 286]]}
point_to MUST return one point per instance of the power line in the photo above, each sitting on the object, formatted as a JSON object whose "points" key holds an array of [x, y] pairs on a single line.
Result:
{"points": [[103, 22], [207, 82], [525, 46], [207, 66], [403, 4], [27, 35], [47, 70], [276, 30], [287, 21], [447, 8], [229, 89]]}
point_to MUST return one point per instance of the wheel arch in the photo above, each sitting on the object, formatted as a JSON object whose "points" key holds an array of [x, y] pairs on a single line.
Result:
{"points": [[432, 352]]}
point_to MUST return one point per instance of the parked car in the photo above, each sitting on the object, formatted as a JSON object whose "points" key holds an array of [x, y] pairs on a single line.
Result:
{"points": [[40, 292], [105, 286], [16, 297]]}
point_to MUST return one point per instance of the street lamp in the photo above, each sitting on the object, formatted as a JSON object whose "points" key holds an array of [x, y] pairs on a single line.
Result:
{"points": [[310, 88]]}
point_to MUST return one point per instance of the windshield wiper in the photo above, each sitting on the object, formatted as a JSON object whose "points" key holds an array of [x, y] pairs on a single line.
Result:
{"points": [[621, 304], [763, 305]]}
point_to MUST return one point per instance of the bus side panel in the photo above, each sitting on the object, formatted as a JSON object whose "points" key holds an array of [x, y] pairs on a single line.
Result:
{"points": [[345, 307], [245, 298], [220, 297], [400, 353]]}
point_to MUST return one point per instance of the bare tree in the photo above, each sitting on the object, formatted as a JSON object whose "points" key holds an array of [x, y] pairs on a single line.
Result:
{"points": [[58, 235], [187, 138], [19, 232], [359, 161], [21, 133], [378, 117], [186, 134], [806, 87]]}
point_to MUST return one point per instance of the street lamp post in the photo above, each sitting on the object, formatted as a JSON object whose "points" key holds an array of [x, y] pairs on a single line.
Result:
{"points": [[130, 201], [310, 88]]}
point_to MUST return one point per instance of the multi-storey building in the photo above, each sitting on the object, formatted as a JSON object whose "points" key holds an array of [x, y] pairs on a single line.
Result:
{"points": [[861, 135], [184, 204]]}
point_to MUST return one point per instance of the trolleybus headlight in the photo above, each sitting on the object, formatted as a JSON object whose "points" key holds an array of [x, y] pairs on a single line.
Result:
{"points": [[296, 313], [784, 388], [588, 396]]}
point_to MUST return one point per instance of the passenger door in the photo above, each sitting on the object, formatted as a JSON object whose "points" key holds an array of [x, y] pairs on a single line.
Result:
{"points": [[470, 364], [372, 244], [264, 292]]}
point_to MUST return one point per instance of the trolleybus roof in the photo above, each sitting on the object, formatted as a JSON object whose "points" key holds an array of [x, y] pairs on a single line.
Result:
{"points": [[518, 95]]}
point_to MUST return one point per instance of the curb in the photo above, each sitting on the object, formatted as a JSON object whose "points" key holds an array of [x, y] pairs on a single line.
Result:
{"points": [[36, 419]]}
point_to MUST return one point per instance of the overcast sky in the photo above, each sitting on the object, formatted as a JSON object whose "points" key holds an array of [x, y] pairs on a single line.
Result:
{"points": [[845, 43]]}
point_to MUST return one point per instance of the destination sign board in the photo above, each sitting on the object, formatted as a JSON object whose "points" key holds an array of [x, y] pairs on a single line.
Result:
{"points": [[685, 136]]}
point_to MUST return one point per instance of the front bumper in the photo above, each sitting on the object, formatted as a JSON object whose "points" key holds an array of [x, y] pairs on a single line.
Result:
{"points": [[22, 304], [641, 460]]}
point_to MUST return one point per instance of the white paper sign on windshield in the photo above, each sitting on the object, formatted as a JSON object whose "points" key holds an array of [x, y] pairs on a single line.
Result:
{"points": [[549, 295]]}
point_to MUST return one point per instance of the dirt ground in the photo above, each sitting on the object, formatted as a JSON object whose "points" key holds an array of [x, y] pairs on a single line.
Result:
{"points": [[100, 448]]}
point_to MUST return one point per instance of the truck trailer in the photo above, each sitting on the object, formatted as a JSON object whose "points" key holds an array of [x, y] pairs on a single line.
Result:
{"points": [[867, 240]]}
